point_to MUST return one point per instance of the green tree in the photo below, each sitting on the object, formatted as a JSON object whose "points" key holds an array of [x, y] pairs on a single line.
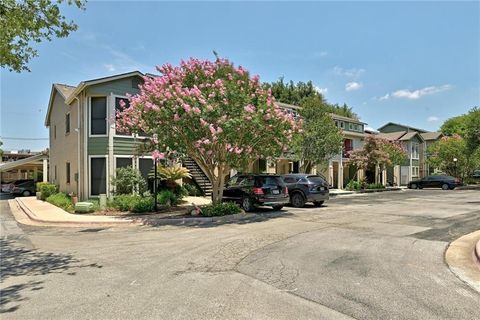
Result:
{"points": [[213, 112], [296, 93], [472, 131], [446, 149], [319, 139], [1, 150], [455, 125], [23, 22]]}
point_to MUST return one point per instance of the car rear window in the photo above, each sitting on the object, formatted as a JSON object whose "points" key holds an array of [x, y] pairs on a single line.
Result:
{"points": [[316, 179], [270, 181]]}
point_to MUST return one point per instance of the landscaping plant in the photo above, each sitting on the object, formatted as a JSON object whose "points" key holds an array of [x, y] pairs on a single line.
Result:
{"points": [[46, 189], [220, 209], [212, 112], [128, 180], [61, 200]]}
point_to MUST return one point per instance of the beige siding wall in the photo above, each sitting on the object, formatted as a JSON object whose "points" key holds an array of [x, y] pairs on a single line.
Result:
{"points": [[63, 146]]}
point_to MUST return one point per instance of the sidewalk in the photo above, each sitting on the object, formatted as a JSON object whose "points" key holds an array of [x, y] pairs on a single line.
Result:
{"points": [[47, 214], [341, 192], [462, 257]]}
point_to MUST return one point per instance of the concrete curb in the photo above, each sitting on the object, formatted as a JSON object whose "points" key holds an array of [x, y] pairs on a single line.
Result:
{"points": [[31, 215], [462, 257]]}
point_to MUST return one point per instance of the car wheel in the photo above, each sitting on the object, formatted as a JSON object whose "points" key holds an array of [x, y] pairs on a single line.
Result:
{"points": [[445, 186], [297, 200], [247, 204], [414, 186], [277, 207], [26, 193], [318, 203]]}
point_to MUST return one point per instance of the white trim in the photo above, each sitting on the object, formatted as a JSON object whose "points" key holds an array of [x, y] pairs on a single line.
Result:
{"points": [[89, 119], [90, 157]]}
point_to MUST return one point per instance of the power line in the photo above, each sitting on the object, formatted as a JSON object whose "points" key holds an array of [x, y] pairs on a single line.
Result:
{"points": [[14, 138]]}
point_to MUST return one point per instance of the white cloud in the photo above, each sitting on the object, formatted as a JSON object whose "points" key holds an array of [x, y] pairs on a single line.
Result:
{"points": [[349, 73], [321, 90], [352, 86], [367, 128], [432, 119], [385, 97], [417, 94], [110, 67]]}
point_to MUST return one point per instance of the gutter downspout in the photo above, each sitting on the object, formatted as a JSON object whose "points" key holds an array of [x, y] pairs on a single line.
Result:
{"points": [[78, 152]]}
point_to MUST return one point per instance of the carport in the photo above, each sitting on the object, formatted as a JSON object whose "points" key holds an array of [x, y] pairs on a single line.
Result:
{"points": [[34, 167]]}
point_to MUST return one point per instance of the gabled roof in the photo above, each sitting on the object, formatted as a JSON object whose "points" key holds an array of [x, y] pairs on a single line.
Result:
{"points": [[70, 92], [392, 136], [410, 135], [13, 164], [82, 85], [431, 135], [402, 125]]}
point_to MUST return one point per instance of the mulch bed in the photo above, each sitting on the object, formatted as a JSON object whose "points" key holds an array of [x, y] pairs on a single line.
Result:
{"points": [[177, 212]]}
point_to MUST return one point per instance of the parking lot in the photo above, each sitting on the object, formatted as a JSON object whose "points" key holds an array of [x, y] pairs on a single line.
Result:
{"points": [[366, 256]]}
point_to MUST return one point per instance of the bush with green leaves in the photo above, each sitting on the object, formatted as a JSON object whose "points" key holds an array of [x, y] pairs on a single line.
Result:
{"points": [[128, 181], [220, 209], [124, 202], [180, 192], [143, 204], [192, 190], [46, 189], [167, 197], [354, 185], [61, 200]]}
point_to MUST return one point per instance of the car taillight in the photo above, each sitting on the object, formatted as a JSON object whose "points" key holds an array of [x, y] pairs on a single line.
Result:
{"points": [[286, 190], [457, 180], [258, 191]]}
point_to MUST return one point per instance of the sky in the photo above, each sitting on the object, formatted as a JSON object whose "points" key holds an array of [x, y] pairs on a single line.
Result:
{"points": [[415, 63]]}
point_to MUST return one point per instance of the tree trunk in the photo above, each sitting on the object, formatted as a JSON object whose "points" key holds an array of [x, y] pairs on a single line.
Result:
{"points": [[306, 166], [217, 185]]}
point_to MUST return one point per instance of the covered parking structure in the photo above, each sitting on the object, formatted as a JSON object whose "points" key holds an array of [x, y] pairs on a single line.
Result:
{"points": [[34, 167]]}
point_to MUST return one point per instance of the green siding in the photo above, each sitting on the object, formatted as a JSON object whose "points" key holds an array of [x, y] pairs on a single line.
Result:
{"points": [[97, 145], [117, 87], [415, 163], [393, 128], [125, 146]]}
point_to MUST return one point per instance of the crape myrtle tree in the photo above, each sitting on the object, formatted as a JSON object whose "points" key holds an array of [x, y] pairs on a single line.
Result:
{"points": [[212, 112], [378, 151]]}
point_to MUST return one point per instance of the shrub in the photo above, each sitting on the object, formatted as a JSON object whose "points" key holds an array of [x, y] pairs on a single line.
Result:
{"points": [[166, 197], [124, 202], [180, 192], [192, 190], [143, 204], [354, 185], [375, 186], [61, 200], [128, 180], [220, 209], [47, 189]]}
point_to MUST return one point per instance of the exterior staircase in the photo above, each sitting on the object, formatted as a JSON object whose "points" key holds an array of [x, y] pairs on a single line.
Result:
{"points": [[198, 176]]}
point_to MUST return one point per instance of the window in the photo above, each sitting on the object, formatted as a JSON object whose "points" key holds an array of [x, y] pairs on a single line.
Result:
{"points": [[342, 124], [351, 126], [55, 132], [123, 162], [55, 174], [145, 165], [98, 176], [98, 116], [67, 172], [67, 123], [119, 108], [415, 171], [414, 152], [336, 123]]}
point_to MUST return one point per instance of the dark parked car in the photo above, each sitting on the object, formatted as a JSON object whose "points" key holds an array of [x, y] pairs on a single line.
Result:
{"points": [[304, 188], [435, 181], [476, 174], [23, 187], [252, 190]]}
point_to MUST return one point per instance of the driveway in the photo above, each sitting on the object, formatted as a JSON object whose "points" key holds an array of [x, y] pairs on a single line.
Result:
{"points": [[371, 256]]}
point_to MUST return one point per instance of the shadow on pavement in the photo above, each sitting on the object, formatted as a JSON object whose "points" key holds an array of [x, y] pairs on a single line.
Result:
{"points": [[18, 261]]}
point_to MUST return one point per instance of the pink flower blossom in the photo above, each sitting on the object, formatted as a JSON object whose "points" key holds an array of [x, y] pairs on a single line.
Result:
{"points": [[187, 108], [249, 108], [158, 155]]}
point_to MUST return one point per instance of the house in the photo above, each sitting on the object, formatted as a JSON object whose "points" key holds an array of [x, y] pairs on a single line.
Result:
{"points": [[337, 170], [85, 147], [415, 141]]}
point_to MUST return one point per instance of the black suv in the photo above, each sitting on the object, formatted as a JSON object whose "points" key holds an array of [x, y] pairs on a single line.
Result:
{"points": [[304, 188], [252, 190], [435, 181]]}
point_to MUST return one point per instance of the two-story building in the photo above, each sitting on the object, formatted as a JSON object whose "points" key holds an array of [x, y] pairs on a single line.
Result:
{"points": [[85, 146], [415, 141]]}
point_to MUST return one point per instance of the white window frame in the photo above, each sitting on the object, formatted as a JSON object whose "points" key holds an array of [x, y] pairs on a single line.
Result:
{"points": [[89, 116], [90, 157], [342, 125], [415, 147], [134, 162], [415, 171]]}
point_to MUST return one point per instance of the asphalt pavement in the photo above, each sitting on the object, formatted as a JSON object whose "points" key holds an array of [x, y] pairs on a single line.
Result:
{"points": [[369, 256]]}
